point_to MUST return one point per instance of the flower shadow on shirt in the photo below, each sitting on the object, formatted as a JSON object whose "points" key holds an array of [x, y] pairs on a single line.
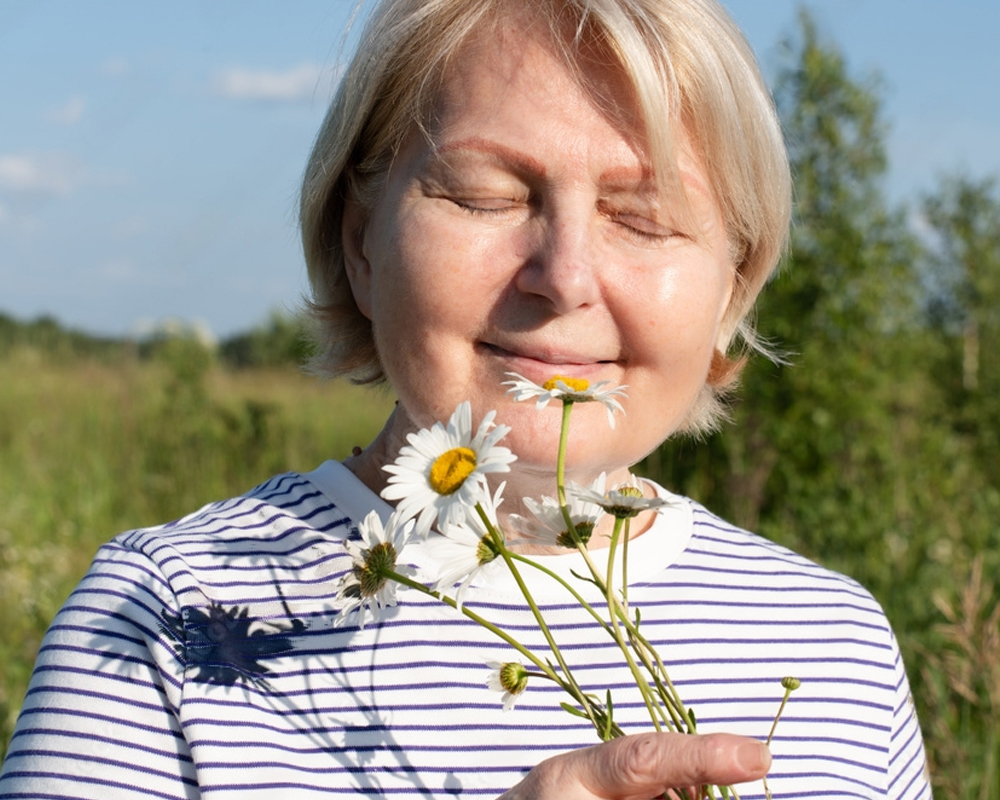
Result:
{"points": [[224, 646], [292, 661], [340, 708]]}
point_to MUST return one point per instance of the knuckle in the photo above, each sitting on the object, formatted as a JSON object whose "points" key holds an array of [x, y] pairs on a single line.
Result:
{"points": [[639, 761]]}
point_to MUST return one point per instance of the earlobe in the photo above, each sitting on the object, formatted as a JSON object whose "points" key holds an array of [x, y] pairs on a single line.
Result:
{"points": [[353, 224]]}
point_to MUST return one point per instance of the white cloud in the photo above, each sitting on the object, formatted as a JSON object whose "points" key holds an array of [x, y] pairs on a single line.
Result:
{"points": [[114, 67], [41, 173], [296, 83], [69, 113], [119, 270]]}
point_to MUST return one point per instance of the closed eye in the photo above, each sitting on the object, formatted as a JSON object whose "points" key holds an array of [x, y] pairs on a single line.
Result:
{"points": [[484, 205], [635, 225]]}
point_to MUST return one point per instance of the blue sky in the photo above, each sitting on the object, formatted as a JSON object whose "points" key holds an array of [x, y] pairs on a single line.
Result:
{"points": [[150, 152]]}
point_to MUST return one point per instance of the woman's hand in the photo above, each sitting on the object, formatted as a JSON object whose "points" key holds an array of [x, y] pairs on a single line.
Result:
{"points": [[644, 766]]}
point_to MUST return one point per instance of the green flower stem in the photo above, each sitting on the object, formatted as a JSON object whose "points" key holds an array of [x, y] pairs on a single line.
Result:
{"points": [[667, 691], [553, 645], [640, 644], [668, 694], [671, 703], [665, 688], [561, 469], [618, 609], [567, 685], [566, 585], [625, 542], [781, 708], [404, 580], [613, 605], [501, 547]]}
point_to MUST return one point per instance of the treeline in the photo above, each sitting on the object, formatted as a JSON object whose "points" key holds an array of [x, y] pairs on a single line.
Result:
{"points": [[281, 340], [47, 335], [873, 444]]}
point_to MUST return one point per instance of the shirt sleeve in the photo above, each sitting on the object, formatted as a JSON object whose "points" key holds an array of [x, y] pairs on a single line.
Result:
{"points": [[908, 777], [101, 715]]}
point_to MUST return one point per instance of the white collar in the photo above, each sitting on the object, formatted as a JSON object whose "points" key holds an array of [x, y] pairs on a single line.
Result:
{"points": [[649, 554]]}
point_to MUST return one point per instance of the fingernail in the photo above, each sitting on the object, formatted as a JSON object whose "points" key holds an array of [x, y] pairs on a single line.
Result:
{"points": [[753, 757]]}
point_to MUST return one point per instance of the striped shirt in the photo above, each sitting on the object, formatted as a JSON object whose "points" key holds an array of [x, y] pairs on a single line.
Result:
{"points": [[198, 659]]}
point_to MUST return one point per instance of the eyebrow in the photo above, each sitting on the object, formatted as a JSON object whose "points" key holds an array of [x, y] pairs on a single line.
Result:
{"points": [[615, 176], [507, 155]]}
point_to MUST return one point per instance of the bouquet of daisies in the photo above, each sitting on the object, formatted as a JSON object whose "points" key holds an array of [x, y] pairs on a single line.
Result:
{"points": [[439, 482]]}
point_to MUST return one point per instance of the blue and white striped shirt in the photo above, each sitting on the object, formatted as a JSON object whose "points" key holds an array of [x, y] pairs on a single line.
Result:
{"points": [[198, 659]]}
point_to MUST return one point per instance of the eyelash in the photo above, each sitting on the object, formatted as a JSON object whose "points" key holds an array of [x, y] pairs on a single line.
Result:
{"points": [[633, 232], [472, 208], [640, 234], [477, 210]]}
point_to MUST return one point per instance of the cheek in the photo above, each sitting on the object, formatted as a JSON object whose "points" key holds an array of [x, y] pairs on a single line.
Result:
{"points": [[674, 313], [431, 268]]}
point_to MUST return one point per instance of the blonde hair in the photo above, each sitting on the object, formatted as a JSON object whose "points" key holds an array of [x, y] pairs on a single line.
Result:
{"points": [[688, 64]]}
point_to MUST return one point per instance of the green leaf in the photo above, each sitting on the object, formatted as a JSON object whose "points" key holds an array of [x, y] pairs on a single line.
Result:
{"points": [[576, 712]]}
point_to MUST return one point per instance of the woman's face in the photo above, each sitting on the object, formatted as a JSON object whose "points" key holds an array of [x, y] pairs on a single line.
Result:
{"points": [[527, 236]]}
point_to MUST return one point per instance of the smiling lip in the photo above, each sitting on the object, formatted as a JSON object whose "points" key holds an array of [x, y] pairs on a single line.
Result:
{"points": [[540, 365]]}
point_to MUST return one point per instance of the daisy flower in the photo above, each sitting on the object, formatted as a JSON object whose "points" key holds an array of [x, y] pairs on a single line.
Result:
{"points": [[509, 677], [624, 502], [367, 587], [442, 470], [567, 389], [547, 525], [465, 548]]}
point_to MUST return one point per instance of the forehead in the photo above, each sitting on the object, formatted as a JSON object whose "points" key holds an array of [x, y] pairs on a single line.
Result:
{"points": [[517, 88], [520, 58]]}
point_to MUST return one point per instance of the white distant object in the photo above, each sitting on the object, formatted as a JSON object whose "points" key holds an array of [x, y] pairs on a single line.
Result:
{"points": [[176, 328]]}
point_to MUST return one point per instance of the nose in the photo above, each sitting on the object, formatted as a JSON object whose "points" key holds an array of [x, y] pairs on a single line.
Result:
{"points": [[561, 266]]}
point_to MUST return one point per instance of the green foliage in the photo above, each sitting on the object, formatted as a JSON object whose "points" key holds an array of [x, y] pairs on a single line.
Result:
{"points": [[284, 339], [963, 267], [45, 333], [874, 446], [961, 688]]}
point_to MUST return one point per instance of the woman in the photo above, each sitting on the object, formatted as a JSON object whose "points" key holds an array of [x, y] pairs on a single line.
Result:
{"points": [[595, 190]]}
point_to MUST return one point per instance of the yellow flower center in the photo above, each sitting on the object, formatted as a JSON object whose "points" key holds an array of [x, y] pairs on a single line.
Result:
{"points": [[630, 491], [576, 384], [450, 469]]}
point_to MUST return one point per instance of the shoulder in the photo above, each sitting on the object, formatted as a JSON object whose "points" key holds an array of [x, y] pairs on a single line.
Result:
{"points": [[278, 517], [286, 532], [273, 511], [748, 568], [728, 546]]}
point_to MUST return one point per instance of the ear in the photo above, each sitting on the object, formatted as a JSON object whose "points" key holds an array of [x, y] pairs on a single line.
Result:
{"points": [[353, 224]]}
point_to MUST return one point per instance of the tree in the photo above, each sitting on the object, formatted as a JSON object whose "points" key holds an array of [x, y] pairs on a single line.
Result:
{"points": [[964, 273]]}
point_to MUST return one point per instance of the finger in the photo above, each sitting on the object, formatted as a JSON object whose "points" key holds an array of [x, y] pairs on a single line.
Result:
{"points": [[646, 765]]}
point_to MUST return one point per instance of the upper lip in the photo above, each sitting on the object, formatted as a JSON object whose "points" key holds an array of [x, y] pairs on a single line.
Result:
{"points": [[549, 355]]}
